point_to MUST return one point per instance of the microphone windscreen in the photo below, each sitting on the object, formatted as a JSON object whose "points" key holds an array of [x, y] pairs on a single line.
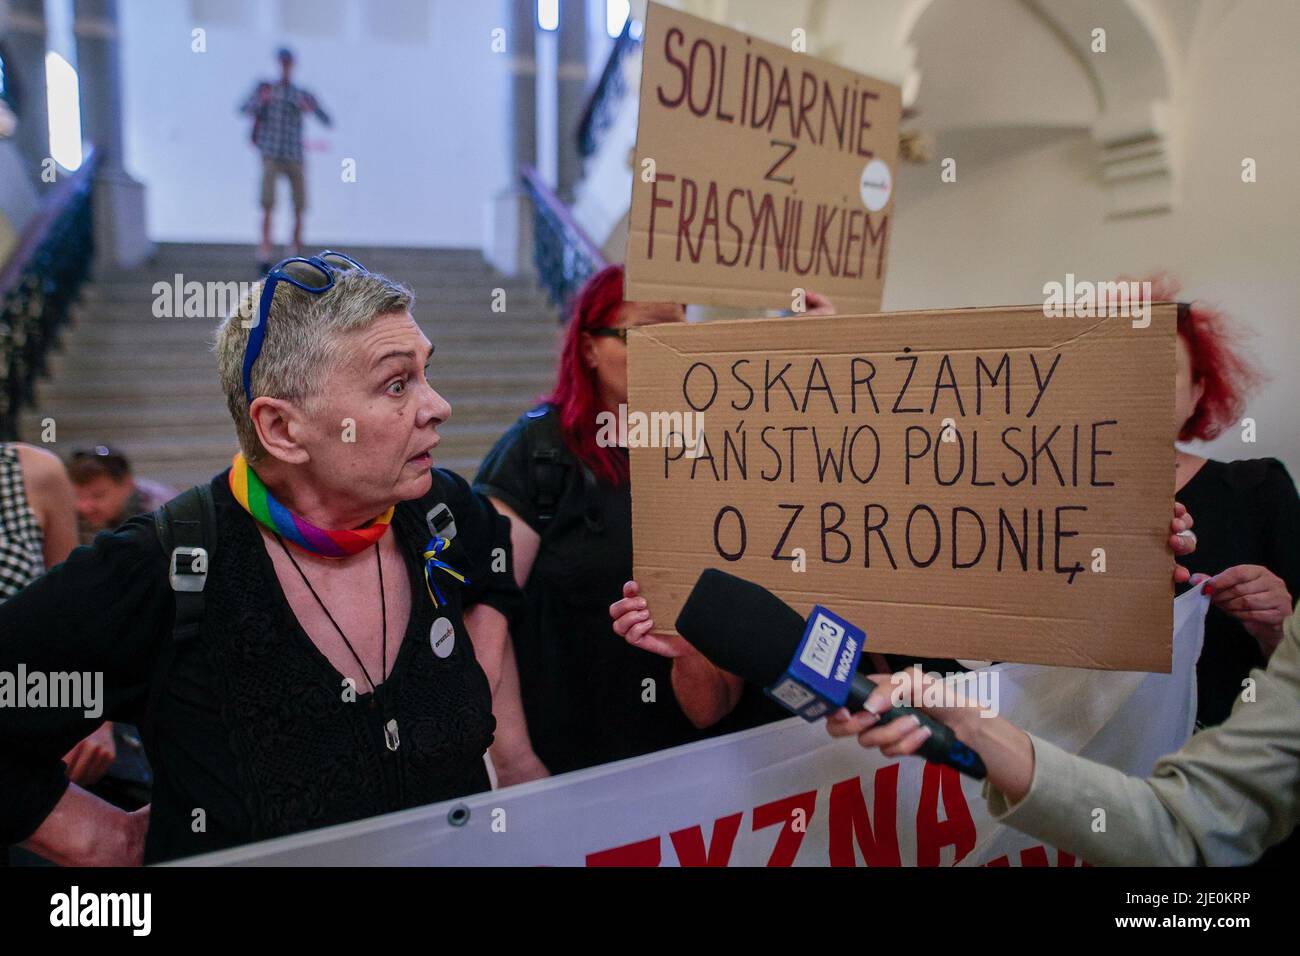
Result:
{"points": [[740, 626]]}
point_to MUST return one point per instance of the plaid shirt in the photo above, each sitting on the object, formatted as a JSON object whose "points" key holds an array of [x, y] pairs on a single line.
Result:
{"points": [[277, 127]]}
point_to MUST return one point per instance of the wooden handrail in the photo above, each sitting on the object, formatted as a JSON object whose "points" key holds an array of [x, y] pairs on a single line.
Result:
{"points": [[52, 206]]}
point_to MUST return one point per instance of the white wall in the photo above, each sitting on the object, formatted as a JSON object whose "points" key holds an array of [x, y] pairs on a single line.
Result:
{"points": [[1028, 207], [417, 96]]}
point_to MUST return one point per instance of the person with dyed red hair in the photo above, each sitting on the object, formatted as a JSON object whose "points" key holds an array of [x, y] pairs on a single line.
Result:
{"points": [[588, 696], [1247, 511]]}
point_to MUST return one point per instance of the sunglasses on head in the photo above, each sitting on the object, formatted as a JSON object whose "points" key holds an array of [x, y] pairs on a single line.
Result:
{"points": [[99, 451], [112, 462], [314, 274]]}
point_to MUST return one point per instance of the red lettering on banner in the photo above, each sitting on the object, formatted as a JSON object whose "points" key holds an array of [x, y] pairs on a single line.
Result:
{"points": [[1034, 856], [641, 853], [849, 819], [783, 811], [932, 834], [689, 843]]}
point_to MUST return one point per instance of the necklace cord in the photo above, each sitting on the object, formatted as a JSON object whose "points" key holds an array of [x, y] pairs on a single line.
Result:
{"points": [[383, 610]]}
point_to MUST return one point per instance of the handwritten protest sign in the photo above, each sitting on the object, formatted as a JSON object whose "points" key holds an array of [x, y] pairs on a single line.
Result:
{"points": [[759, 171], [982, 483]]}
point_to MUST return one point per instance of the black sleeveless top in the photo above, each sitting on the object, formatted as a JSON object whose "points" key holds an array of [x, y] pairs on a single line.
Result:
{"points": [[252, 734]]}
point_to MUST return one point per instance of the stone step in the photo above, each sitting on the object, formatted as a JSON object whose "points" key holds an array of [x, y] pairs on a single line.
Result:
{"points": [[429, 297], [148, 385], [237, 257], [209, 412], [217, 250], [162, 440], [109, 384], [198, 358], [137, 324]]}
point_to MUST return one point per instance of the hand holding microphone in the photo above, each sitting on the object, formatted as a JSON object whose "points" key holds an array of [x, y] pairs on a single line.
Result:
{"points": [[810, 667], [902, 738]]}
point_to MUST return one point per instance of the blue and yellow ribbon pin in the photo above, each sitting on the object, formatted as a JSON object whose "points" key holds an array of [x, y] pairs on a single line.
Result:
{"points": [[432, 562]]}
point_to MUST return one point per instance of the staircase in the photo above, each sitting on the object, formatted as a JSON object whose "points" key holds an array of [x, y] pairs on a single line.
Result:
{"points": [[148, 386]]}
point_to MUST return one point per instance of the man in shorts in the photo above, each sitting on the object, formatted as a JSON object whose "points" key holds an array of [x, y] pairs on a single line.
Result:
{"points": [[277, 110]]}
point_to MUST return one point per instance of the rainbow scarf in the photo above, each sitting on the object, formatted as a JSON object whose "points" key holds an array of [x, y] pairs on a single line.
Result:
{"points": [[255, 498]]}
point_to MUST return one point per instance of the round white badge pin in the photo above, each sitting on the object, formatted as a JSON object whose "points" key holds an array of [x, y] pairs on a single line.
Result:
{"points": [[442, 637], [876, 185]]}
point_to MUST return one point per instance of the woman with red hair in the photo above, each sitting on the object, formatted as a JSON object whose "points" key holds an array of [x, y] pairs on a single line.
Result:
{"points": [[588, 697], [1247, 512]]}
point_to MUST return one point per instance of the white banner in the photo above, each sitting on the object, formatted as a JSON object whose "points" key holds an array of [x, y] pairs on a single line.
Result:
{"points": [[784, 794]]}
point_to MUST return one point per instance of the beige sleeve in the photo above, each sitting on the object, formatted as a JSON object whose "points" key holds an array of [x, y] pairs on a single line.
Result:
{"points": [[1222, 800]]}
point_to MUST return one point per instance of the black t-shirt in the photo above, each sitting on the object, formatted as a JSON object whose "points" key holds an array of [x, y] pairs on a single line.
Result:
{"points": [[585, 690], [1245, 512], [249, 722]]}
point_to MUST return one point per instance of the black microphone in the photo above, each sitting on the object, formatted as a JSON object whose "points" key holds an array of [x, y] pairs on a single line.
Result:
{"points": [[746, 629]]}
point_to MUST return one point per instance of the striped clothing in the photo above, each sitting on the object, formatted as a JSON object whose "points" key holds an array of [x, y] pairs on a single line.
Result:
{"points": [[22, 542]]}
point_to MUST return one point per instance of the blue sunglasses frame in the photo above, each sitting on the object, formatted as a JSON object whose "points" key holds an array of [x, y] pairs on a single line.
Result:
{"points": [[256, 335]]}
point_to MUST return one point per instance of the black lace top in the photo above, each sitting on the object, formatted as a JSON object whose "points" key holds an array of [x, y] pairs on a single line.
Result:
{"points": [[248, 728]]}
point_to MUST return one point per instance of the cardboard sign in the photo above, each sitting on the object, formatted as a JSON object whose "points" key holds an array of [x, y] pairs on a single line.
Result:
{"points": [[984, 484], [759, 171]]}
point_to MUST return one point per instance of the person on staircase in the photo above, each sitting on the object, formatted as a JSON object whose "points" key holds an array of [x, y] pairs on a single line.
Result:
{"points": [[277, 110]]}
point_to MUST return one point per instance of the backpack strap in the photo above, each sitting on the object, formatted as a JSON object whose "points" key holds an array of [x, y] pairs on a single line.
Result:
{"points": [[187, 530], [549, 474], [187, 527], [551, 461], [548, 463]]}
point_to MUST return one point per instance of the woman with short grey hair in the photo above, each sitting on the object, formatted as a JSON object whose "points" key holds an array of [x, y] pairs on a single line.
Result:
{"points": [[330, 674]]}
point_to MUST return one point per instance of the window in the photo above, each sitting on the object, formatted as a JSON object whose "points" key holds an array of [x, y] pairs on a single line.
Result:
{"points": [[548, 14]]}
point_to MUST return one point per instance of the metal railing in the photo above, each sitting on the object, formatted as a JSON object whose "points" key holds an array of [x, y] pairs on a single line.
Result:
{"points": [[608, 95], [38, 285], [564, 254]]}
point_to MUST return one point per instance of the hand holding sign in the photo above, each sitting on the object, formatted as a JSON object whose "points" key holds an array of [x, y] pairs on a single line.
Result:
{"points": [[767, 169], [633, 623]]}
